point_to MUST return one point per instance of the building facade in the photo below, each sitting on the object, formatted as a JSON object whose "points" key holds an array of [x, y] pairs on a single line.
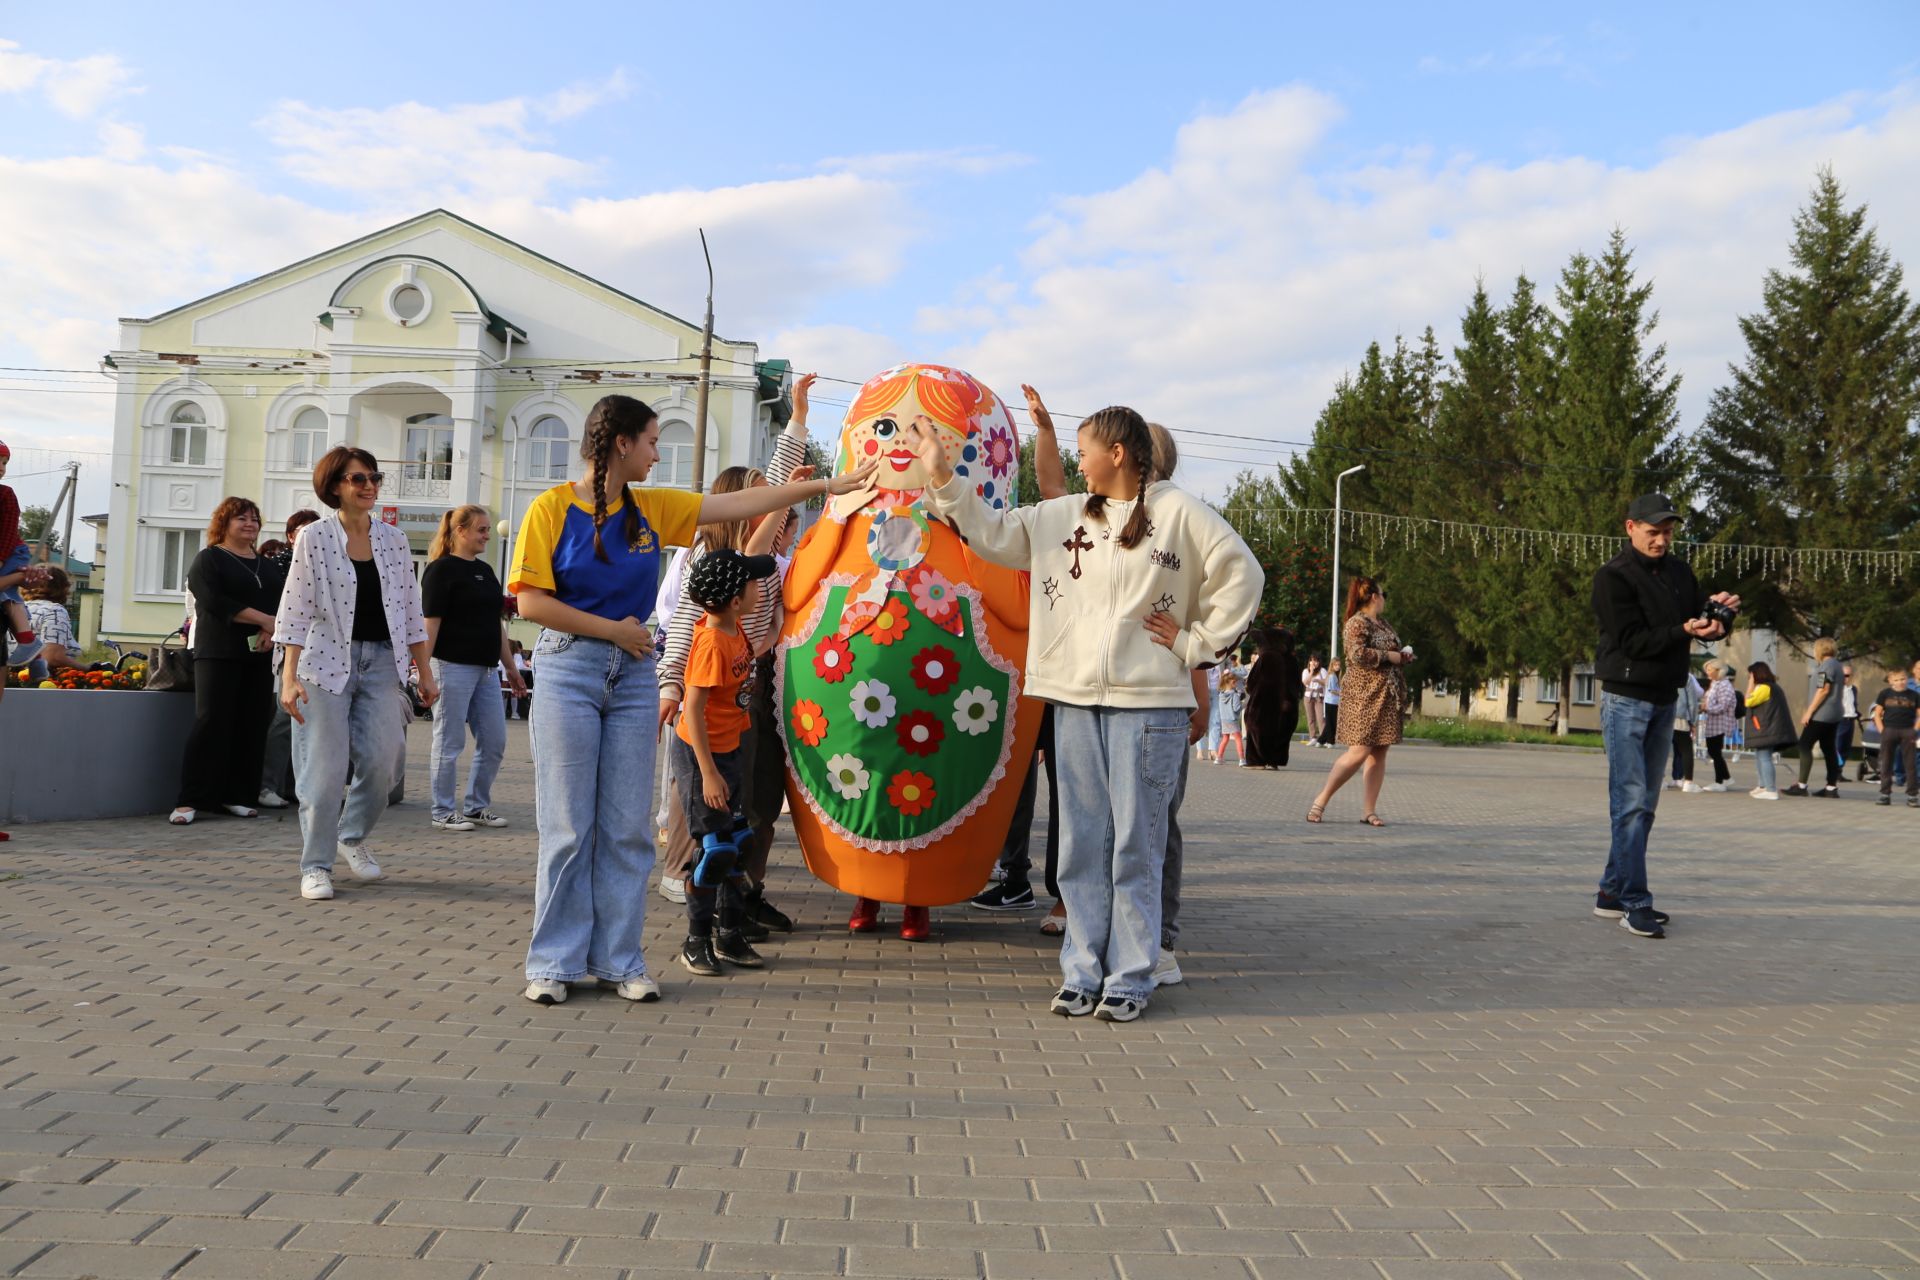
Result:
{"points": [[464, 362]]}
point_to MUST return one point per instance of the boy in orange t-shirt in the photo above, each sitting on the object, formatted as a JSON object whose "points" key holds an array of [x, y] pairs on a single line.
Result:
{"points": [[705, 755]]}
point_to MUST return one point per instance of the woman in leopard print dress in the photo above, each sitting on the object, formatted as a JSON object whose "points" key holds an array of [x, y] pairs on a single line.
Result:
{"points": [[1373, 699]]}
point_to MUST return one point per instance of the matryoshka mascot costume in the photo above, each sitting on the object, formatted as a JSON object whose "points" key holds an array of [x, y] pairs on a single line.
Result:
{"points": [[902, 661]]}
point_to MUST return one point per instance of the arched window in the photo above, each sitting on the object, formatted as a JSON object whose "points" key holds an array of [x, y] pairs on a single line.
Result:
{"points": [[549, 449], [308, 440], [675, 468], [187, 434]]}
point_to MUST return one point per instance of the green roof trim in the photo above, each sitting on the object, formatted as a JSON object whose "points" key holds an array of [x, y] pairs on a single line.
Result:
{"points": [[772, 375]]}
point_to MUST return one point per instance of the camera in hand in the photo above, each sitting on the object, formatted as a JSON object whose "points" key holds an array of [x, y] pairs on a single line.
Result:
{"points": [[1715, 611]]}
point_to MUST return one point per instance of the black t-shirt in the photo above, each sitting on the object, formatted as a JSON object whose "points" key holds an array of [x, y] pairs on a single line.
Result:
{"points": [[369, 610], [1898, 707], [223, 584], [465, 596]]}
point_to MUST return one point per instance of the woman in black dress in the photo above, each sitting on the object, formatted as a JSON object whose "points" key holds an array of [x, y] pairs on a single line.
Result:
{"points": [[235, 594], [1273, 700]]}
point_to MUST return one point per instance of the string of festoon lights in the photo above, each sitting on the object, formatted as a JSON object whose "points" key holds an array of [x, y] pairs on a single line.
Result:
{"points": [[1377, 528]]}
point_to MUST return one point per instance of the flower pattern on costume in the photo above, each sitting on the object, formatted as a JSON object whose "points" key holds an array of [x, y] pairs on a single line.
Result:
{"points": [[810, 722], [848, 776], [889, 624], [933, 595], [1001, 453], [910, 792], [873, 704], [935, 669], [832, 659], [975, 711], [919, 733]]}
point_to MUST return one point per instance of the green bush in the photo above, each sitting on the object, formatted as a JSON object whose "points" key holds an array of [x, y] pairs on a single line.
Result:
{"points": [[1469, 733]]}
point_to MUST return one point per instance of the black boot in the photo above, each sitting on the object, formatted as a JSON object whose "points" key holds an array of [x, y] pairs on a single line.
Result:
{"points": [[736, 913], [734, 949], [765, 913], [697, 955]]}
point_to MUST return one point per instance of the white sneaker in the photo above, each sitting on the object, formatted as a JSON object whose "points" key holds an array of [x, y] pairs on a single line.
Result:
{"points": [[316, 886], [453, 823], [1692, 788], [1760, 793], [673, 889], [360, 861], [1670, 785], [1167, 972], [546, 991], [1715, 786], [241, 810], [269, 799], [486, 818], [643, 989]]}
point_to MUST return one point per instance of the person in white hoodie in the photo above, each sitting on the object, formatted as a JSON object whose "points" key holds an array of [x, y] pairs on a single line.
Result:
{"points": [[1135, 585]]}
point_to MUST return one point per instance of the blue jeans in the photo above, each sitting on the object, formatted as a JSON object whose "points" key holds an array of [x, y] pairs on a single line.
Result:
{"points": [[594, 733], [1763, 768], [1117, 770], [469, 698], [1638, 736], [354, 733], [19, 559]]}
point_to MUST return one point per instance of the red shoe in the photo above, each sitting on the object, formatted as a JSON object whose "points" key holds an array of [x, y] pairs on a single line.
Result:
{"points": [[866, 916], [914, 924]]}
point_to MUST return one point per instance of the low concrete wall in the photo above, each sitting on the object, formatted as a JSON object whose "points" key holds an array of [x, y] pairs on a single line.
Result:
{"points": [[69, 753]]}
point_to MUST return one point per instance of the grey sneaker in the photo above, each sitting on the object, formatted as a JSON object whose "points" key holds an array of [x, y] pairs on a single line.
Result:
{"points": [[1167, 972], [452, 822], [361, 862], [270, 800], [486, 818], [546, 991], [673, 888], [642, 989]]}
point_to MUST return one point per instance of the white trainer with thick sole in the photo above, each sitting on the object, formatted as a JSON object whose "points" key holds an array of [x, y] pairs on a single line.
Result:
{"points": [[546, 991], [361, 862], [316, 886]]}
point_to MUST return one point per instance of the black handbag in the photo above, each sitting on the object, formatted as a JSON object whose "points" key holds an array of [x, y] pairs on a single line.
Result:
{"points": [[170, 667]]}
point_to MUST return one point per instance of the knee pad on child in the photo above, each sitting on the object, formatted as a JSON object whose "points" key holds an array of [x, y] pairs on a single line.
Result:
{"points": [[717, 855]]}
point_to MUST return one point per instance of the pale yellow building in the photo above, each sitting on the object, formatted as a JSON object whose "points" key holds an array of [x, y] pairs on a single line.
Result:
{"points": [[464, 362]]}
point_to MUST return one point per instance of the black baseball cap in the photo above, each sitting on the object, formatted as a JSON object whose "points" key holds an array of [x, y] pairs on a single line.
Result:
{"points": [[1652, 508], [720, 576]]}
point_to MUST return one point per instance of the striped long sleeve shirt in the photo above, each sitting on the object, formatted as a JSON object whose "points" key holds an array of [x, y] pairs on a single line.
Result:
{"points": [[760, 626]]}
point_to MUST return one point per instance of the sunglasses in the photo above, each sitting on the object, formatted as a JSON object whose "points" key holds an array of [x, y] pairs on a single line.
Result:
{"points": [[365, 479]]}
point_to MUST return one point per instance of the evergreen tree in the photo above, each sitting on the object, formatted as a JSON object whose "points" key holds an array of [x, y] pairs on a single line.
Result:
{"points": [[1299, 578], [1603, 430], [1028, 487], [1812, 442]]}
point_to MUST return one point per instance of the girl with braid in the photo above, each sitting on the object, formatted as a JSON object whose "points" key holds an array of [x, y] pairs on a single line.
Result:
{"points": [[586, 572], [1136, 584]]}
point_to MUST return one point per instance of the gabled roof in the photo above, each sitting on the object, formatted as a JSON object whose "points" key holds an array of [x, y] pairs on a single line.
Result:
{"points": [[418, 220]]}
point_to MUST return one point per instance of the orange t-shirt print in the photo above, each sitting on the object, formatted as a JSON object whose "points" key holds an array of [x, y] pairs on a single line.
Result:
{"points": [[721, 664]]}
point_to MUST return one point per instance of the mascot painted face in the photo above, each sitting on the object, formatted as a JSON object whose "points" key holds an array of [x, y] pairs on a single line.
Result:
{"points": [[901, 662]]}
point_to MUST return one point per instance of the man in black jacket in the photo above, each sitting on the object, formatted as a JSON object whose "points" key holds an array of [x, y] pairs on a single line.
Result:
{"points": [[1649, 607]]}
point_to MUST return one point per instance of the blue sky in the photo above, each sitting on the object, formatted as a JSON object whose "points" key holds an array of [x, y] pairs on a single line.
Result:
{"points": [[1207, 217]]}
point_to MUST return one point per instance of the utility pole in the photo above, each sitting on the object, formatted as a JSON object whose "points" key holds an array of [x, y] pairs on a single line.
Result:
{"points": [[69, 496], [73, 500], [1333, 640], [706, 380]]}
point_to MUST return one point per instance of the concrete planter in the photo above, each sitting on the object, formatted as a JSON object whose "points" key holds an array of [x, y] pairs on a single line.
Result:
{"points": [[71, 753]]}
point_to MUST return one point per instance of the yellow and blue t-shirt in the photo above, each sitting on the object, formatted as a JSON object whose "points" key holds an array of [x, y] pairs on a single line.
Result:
{"points": [[556, 550]]}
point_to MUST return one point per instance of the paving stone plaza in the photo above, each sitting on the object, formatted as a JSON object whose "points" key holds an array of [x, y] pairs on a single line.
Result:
{"points": [[1403, 1054]]}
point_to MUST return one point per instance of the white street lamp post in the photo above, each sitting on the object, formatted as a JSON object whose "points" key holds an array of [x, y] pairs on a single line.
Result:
{"points": [[1333, 642]]}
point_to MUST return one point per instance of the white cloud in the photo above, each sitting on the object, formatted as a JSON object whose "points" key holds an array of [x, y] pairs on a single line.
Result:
{"points": [[972, 162], [78, 87], [421, 154], [1225, 289]]}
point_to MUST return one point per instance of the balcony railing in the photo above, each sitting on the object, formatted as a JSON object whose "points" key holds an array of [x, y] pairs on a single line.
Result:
{"points": [[425, 480]]}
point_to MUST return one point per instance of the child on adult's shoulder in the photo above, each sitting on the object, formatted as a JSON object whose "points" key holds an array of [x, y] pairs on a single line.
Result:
{"points": [[16, 567]]}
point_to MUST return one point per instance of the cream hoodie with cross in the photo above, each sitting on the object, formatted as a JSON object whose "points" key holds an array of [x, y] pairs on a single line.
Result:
{"points": [[1086, 644]]}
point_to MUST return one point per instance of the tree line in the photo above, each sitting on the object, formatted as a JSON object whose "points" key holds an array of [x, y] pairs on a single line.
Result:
{"points": [[1557, 407]]}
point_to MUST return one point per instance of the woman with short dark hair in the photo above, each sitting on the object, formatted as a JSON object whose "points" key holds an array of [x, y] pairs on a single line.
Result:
{"points": [[349, 618], [235, 590], [48, 617]]}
